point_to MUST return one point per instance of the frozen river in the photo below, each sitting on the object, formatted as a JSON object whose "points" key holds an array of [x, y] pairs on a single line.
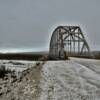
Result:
{"points": [[75, 79]]}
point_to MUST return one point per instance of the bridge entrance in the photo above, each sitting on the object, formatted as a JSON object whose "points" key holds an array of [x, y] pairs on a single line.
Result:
{"points": [[69, 39]]}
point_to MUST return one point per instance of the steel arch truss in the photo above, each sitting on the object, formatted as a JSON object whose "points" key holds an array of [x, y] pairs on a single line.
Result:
{"points": [[69, 39]]}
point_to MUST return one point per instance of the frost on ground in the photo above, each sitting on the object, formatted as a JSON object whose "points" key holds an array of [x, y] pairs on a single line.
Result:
{"points": [[21, 84], [16, 65], [76, 79]]}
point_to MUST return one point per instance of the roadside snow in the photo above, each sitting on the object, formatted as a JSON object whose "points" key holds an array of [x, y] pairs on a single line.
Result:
{"points": [[17, 65], [70, 80], [22, 85]]}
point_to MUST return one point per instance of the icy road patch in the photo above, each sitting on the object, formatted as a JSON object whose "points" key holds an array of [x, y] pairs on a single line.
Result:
{"points": [[70, 80]]}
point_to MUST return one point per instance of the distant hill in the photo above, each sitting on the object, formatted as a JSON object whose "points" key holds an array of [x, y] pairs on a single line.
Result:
{"points": [[23, 55], [39, 52], [96, 54]]}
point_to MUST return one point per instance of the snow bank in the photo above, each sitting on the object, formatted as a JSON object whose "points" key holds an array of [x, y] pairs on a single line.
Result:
{"points": [[17, 65]]}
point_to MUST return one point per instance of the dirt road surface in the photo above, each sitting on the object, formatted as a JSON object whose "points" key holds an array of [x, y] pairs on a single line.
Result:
{"points": [[75, 79]]}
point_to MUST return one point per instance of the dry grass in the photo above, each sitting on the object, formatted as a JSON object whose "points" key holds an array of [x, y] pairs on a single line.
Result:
{"points": [[4, 71]]}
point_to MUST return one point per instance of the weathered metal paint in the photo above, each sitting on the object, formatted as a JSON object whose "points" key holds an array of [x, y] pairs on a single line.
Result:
{"points": [[69, 39]]}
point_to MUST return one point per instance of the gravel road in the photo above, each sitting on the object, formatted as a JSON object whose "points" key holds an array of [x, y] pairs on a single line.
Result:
{"points": [[75, 79]]}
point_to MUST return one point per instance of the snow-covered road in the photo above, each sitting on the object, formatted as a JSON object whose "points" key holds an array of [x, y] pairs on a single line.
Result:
{"points": [[75, 79]]}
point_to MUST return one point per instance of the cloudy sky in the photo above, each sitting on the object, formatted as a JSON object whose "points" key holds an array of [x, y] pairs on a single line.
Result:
{"points": [[28, 24]]}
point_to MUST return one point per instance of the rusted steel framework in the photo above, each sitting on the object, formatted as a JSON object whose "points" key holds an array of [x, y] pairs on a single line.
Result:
{"points": [[69, 39]]}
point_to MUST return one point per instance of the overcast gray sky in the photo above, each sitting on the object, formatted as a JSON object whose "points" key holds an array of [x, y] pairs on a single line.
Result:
{"points": [[30, 23]]}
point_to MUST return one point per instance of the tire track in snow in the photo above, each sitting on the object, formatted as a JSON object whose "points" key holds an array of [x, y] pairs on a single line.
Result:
{"points": [[87, 73], [68, 80]]}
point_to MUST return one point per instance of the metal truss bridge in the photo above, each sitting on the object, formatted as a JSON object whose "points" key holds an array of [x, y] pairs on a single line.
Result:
{"points": [[69, 39]]}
